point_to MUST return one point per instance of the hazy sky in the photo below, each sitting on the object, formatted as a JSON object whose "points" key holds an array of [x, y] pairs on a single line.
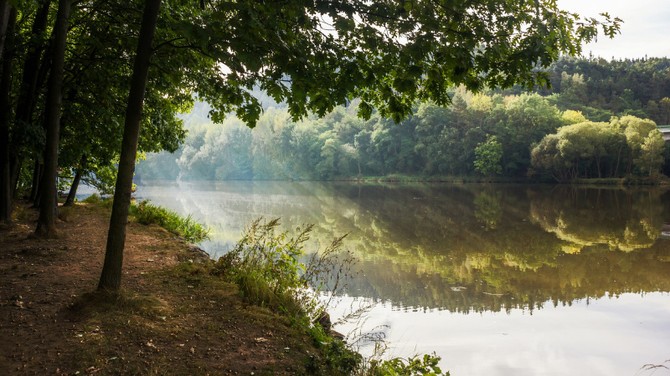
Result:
{"points": [[644, 32]]}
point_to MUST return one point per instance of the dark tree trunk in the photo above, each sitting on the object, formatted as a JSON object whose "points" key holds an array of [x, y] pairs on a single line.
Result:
{"points": [[5, 10], [14, 172], [110, 279], [5, 112], [32, 60], [35, 188], [31, 65], [46, 223], [28, 92], [75, 183]]}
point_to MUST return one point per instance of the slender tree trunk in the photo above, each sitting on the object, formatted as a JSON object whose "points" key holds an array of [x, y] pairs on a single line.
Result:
{"points": [[5, 10], [5, 112], [28, 93], [14, 172], [35, 188], [75, 182], [31, 71], [110, 279], [31, 64], [46, 223]]}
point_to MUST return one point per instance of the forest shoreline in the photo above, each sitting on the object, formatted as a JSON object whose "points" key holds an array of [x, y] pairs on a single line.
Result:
{"points": [[658, 180]]}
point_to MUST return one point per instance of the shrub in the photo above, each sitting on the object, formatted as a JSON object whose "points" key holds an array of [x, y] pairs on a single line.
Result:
{"points": [[414, 366], [185, 227], [266, 265]]}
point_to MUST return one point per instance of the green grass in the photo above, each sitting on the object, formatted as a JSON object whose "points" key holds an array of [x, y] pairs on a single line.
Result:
{"points": [[185, 227]]}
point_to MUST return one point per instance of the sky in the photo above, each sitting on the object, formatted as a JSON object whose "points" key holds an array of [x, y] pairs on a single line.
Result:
{"points": [[644, 31]]}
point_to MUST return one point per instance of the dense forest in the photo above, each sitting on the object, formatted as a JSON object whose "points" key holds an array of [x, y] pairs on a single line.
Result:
{"points": [[597, 120]]}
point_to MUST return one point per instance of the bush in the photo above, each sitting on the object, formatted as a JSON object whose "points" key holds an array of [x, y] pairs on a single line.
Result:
{"points": [[267, 268], [97, 200], [414, 366], [185, 227]]}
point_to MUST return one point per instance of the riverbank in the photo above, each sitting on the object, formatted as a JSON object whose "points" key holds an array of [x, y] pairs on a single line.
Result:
{"points": [[172, 317]]}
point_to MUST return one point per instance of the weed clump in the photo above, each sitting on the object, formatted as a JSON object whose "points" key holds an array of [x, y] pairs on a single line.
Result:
{"points": [[267, 266], [185, 227]]}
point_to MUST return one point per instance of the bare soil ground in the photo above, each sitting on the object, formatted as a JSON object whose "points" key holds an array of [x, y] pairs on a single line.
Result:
{"points": [[171, 318]]}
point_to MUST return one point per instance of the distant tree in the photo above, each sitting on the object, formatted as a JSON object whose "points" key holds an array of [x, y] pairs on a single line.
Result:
{"points": [[519, 122], [488, 157], [636, 131], [572, 117], [651, 157]]}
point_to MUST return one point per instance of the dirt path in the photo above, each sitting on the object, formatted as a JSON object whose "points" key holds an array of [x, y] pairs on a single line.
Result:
{"points": [[170, 319]]}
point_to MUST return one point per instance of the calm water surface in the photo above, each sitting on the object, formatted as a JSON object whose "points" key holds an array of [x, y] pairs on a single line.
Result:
{"points": [[498, 280]]}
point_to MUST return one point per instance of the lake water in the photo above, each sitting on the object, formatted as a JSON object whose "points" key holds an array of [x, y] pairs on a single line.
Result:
{"points": [[497, 280]]}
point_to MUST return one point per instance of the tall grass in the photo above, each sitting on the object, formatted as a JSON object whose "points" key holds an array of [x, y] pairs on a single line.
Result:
{"points": [[185, 227], [266, 265]]}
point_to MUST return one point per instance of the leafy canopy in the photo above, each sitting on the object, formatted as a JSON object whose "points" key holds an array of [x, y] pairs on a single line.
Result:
{"points": [[317, 54]]}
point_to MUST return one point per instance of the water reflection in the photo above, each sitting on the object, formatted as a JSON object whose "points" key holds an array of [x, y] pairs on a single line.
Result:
{"points": [[462, 248], [597, 261]]}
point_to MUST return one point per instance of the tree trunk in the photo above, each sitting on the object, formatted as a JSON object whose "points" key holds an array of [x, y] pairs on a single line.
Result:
{"points": [[46, 223], [14, 173], [5, 112], [75, 183], [29, 81], [5, 10], [28, 93], [35, 188], [110, 279]]}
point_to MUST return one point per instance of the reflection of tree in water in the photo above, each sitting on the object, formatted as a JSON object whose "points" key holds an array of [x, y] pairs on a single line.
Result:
{"points": [[430, 246], [502, 288], [488, 208], [583, 218]]}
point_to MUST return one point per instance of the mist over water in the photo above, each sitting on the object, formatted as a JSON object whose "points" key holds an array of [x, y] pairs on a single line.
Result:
{"points": [[499, 280]]}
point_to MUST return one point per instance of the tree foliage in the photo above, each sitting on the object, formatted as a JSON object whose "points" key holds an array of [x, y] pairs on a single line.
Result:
{"points": [[488, 155], [436, 141], [601, 88], [624, 146]]}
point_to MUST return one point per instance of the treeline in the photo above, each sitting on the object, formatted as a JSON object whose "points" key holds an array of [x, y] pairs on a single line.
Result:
{"points": [[601, 89], [483, 134]]}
